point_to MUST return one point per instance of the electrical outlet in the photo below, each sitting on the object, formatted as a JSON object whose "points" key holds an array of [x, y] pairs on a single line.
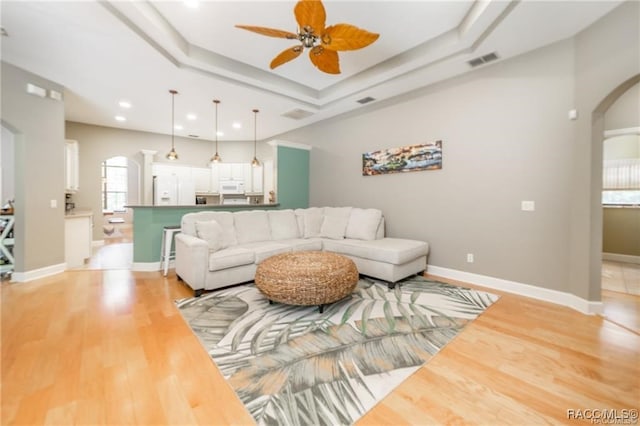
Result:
{"points": [[469, 257], [528, 206], [54, 204]]}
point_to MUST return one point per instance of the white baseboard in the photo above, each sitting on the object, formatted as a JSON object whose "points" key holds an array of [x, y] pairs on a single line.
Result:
{"points": [[554, 296], [146, 266], [97, 243], [21, 277], [626, 258]]}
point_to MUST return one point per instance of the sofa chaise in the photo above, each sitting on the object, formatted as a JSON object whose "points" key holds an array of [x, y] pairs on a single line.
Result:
{"points": [[217, 249]]}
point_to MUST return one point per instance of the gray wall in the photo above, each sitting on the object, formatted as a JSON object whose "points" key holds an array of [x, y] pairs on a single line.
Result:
{"points": [[7, 151], [97, 143], [607, 64], [625, 112], [506, 138], [38, 128]]}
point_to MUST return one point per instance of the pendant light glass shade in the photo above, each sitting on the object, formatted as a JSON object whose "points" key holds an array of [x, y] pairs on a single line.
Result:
{"points": [[216, 157], [172, 155], [255, 162]]}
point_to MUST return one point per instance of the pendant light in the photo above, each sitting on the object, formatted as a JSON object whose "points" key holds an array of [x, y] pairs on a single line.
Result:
{"points": [[172, 155], [216, 158], [255, 162]]}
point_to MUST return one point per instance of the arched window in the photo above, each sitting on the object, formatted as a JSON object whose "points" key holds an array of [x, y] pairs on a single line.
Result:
{"points": [[114, 184]]}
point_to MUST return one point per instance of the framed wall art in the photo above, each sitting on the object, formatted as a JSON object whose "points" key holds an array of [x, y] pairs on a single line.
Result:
{"points": [[408, 158]]}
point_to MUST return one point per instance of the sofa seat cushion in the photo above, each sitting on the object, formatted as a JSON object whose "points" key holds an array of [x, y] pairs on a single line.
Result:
{"points": [[304, 244], [230, 257], [389, 250], [265, 249]]}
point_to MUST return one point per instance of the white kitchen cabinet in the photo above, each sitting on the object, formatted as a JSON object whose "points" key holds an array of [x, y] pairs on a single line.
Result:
{"points": [[215, 178], [77, 238], [224, 170], [237, 171], [253, 182], [202, 179], [72, 164]]}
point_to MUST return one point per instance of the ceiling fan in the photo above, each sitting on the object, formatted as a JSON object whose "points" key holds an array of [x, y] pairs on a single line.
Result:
{"points": [[323, 42]]}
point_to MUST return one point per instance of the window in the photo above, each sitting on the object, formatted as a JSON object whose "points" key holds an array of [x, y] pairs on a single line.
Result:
{"points": [[621, 182], [114, 184]]}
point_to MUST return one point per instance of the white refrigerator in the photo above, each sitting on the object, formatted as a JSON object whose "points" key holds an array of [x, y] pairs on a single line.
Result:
{"points": [[170, 190]]}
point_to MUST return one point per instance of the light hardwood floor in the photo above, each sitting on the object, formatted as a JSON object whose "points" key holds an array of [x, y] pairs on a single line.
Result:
{"points": [[93, 347]]}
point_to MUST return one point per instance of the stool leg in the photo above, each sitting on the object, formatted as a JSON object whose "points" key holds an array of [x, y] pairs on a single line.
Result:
{"points": [[162, 251], [167, 253]]}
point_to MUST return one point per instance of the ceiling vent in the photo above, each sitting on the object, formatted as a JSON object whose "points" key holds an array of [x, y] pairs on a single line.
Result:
{"points": [[297, 114], [483, 59], [365, 100]]}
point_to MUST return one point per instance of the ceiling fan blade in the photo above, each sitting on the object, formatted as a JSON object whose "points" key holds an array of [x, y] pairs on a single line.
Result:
{"points": [[286, 56], [326, 60], [347, 37], [310, 13], [271, 32]]}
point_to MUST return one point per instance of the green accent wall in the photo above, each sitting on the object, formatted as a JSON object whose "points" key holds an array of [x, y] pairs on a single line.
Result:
{"points": [[149, 223], [293, 178], [292, 193]]}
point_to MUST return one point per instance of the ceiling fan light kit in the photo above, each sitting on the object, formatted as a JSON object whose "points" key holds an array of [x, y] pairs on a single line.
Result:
{"points": [[172, 155], [323, 42]]}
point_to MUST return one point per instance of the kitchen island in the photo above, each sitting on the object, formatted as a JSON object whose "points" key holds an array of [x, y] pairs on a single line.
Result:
{"points": [[149, 223]]}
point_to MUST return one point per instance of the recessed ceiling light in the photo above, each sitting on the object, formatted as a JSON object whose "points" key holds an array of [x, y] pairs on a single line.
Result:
{"points": [[120, 118], [237, 125], [193, 4], [192, 117], [220, 133], [178, 127], [124, 104]]}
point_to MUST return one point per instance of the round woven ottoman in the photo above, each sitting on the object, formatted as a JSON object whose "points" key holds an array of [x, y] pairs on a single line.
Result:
{"points": [[307, 278]]}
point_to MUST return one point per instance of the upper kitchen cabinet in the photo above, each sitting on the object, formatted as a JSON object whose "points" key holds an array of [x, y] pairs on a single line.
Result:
{"points": [[202, 180], [254, 180], [72, 164]]}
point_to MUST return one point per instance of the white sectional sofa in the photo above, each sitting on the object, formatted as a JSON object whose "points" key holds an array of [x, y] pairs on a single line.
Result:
{"points": [[217, 249]]}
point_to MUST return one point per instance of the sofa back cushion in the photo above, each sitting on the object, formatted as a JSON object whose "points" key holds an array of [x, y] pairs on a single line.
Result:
{"points": [[252, 226], [334, 223], [224, 219], [363, 224], [313, 217], [283, 224], [212, 232]]}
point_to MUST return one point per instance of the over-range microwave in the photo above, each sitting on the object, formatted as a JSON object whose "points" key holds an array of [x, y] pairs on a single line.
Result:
{"points": [[231, 187]]}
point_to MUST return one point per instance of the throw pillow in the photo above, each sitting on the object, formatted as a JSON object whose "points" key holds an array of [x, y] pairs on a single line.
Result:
{"points": [[336, 226], [212, 233], [363, 224], [312, 222], [284, 225], [333, 227]]}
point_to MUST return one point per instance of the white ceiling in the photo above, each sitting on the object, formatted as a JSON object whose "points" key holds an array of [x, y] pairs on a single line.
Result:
{"points": [[103, 52]]}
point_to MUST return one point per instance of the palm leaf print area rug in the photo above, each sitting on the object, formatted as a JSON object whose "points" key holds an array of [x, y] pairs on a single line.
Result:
{"points": [[291, 365]]}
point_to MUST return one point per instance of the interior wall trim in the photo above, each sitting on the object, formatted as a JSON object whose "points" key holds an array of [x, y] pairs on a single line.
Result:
{"points": [[21, 277], [622, 132], [626, 258], [587, 307], [148, 266]]}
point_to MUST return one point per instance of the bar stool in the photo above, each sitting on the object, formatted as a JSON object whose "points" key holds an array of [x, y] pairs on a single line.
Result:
{"points": [[166, 254]]}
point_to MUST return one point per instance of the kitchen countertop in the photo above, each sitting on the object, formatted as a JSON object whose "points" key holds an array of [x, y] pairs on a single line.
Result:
{"points": [[78, 213], [205, 206]]}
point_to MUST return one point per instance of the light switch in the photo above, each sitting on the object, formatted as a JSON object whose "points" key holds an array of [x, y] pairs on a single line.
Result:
{"points": [[528, 206], [54, 204]]}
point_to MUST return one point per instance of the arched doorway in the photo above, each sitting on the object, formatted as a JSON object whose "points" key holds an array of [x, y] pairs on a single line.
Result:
{"points": [[618, 309]]}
